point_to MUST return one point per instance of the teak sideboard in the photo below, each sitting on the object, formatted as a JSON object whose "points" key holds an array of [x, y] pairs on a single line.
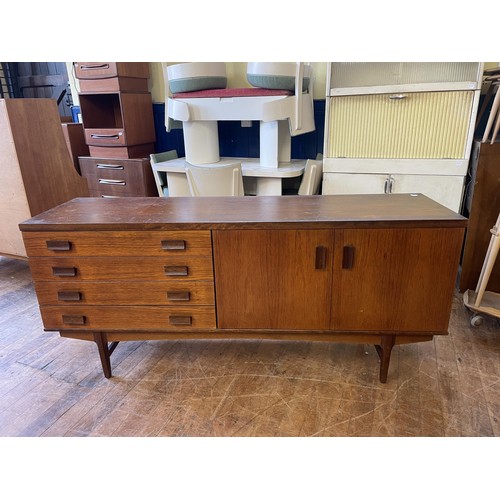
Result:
{"points": [[370, 269]]}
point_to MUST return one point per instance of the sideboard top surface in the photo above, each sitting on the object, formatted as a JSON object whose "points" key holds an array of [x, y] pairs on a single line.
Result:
{"points": [[321, 211]]}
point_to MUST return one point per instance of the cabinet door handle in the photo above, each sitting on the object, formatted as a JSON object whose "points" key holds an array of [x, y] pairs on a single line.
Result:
{"points": [[398, 97], [173, 245], [179, 296], [180, 320], [348, 257], [105, 166], [73, 320], [176, 270], [64, 271], [105, 136], [391, 181], [320, 258], [69, 296], [387, 188], [112, 182], [59, 245]]}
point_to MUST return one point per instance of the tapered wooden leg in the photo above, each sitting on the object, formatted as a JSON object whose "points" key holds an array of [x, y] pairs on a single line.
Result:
{"points": [[101, 340], [384, 351]]}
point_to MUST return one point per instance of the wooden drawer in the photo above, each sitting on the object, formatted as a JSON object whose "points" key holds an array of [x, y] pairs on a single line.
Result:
{"points": [[156, 318], [75, 269], [118, 177], [105, 136], [116, 84], [138, 293], [98, 70], [118, 243]]}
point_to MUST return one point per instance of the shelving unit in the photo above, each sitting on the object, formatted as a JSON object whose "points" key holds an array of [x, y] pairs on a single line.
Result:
{"points": [[117, 115]]}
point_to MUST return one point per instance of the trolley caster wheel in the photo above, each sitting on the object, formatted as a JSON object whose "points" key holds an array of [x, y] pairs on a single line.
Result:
{"points": [[476, 320]]}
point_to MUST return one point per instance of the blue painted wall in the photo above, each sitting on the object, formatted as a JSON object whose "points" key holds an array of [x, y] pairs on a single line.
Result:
{"points": [[235, 140]]}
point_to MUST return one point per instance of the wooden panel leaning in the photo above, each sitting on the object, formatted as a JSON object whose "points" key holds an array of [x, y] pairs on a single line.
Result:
{"points": [[37, 169], [369, 269]]}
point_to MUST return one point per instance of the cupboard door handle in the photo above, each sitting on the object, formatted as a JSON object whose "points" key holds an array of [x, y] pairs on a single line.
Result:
{"points": [[398, 97], [320, 258], [113, 182], [105, 136], [180, 320], [94, 66], [173, 245], [59, 245], [73, 320], [105, 166], [387, 188], [64, 271], [348, 257], [69, 296], [184, 296], [176, 270]]}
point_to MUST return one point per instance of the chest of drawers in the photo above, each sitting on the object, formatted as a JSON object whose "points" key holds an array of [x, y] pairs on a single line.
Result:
{"points": [[109, 177], [370, 269]]}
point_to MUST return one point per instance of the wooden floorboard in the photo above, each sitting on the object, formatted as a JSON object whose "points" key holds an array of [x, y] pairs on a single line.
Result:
{"points": [[51, 386]]}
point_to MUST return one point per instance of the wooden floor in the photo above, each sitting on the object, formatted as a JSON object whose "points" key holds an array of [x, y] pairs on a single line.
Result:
{"points": [[50, 386]]}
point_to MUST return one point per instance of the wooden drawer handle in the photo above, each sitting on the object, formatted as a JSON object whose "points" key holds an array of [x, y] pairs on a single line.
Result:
{"points": [[64, 271], [73, 320], [320, 258], [176, 270], [173, 245], [59, 245], [69, 296], [180, 320], [348, 257], [181, 296]]}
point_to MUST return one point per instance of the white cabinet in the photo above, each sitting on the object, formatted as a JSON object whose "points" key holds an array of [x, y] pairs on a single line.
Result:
{"points": [[400, 127]]}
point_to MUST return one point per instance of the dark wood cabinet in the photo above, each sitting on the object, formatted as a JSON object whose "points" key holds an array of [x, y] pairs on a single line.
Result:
{"points": [[373, 269]]}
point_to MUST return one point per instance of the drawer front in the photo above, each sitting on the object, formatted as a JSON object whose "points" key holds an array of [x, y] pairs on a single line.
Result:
{"points": [[105, 137], [137, 318], [118, 243], [97, 70], [77, 269], [91, 70], [173, 293]]}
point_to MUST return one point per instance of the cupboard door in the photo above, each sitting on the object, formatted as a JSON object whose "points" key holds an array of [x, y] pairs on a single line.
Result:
{"points": [[273, 279], [394, 279]]}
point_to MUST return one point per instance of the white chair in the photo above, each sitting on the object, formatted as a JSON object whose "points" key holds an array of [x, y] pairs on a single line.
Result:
{"points": [[311, 179], [161, 177], [226, 180]]}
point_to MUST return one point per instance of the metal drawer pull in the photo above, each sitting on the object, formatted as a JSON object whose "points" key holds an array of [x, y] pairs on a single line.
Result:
{"points": [[64, 271], [173, 245], [180, 320], [73, 320], [176, 270], [184, 296], [320, 258], [348, 257], [109, 167], [69, 296], [109, 196], [59, 245], [397, 97], [105, 136], [94, 66], [112, 182]]}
